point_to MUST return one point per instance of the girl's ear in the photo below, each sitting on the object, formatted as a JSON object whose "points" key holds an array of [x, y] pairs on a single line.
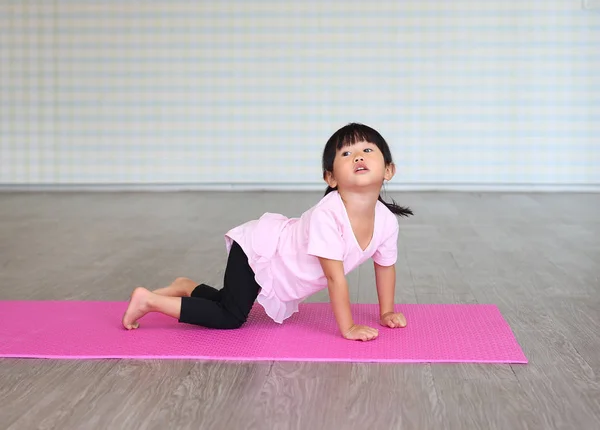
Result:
{"points": [[328, 177], [390, 171]]}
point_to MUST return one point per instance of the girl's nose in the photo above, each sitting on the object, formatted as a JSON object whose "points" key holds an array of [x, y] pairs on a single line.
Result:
{"points": [[359, 158]]}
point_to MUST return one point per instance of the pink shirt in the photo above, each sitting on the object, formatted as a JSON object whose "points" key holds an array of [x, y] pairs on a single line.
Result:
{"points": [[283, 251]]}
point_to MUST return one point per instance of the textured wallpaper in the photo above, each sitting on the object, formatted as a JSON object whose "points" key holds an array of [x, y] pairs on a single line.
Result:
{"points": [[248, 92]]}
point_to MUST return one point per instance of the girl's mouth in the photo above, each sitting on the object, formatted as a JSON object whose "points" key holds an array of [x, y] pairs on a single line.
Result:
{"points": [[360, 168]]}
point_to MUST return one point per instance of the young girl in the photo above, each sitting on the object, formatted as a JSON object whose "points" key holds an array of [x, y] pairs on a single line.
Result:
{"points": [[281, 261]]}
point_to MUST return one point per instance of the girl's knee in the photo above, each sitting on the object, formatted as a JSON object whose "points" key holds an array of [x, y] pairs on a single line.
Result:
{"points": [[233, 322], [236, 324]]}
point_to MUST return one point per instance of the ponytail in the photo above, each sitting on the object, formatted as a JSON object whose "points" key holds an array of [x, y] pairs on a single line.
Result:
{"points": [[393, 207], [396, 209]]}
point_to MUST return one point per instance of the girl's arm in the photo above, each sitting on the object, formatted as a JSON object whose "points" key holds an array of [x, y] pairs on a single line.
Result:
{"points": [[338, 293], [385, 278]]}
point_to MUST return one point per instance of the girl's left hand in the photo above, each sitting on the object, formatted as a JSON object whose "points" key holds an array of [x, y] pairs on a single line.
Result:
{"points": [[393, 320]]}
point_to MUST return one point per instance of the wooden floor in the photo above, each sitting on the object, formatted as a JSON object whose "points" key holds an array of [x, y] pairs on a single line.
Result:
{"points": [[537, 256]]}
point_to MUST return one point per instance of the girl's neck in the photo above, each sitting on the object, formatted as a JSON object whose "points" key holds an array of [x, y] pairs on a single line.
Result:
{"points": [[361, 204]]}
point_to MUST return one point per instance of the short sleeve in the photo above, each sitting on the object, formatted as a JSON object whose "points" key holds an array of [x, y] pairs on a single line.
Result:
{"points": [[324, 236], [387, 252]]}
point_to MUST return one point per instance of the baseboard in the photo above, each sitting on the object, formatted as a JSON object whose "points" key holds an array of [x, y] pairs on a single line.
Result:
{"points": [[586, 188]]}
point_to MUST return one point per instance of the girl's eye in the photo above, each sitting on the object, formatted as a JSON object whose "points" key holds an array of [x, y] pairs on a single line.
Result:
{"points": [[344, 154], [368, 150]]}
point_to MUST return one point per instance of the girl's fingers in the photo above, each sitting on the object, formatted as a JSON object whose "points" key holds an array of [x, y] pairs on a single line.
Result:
{"points": [[400, 320], [366, 333]]}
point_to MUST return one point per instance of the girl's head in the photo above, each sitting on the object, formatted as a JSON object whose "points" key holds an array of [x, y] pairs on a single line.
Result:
{"points": [[357, 156]]}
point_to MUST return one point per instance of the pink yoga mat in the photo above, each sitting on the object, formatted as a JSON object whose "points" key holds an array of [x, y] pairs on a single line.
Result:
{"points": [[84, 330]]}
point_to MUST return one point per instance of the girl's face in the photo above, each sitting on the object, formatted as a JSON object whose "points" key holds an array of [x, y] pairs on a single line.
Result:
{"points": [[358, 166]]}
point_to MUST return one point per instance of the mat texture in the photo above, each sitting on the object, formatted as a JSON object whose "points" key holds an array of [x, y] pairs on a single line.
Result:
{"points": [[435, 333]]}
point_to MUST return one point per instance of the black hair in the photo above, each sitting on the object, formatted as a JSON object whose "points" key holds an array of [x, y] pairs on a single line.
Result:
{"points": [[349, 135]]}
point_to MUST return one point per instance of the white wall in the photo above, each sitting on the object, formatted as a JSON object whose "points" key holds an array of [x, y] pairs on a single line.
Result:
{"points": [[468, 93]]}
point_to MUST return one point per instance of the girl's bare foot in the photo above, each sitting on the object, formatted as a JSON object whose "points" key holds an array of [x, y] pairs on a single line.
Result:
{"points": [[138, 307]]}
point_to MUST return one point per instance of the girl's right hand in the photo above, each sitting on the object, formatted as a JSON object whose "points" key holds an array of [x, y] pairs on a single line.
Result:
{"points": [[361, 332]]}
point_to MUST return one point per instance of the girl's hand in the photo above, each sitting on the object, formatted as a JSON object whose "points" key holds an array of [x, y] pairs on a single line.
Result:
{"points": [[361, 332], [393, 320]]}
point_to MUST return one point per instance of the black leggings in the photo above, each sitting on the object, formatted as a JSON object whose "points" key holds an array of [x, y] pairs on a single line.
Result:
{"points": [[229, 307]]}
